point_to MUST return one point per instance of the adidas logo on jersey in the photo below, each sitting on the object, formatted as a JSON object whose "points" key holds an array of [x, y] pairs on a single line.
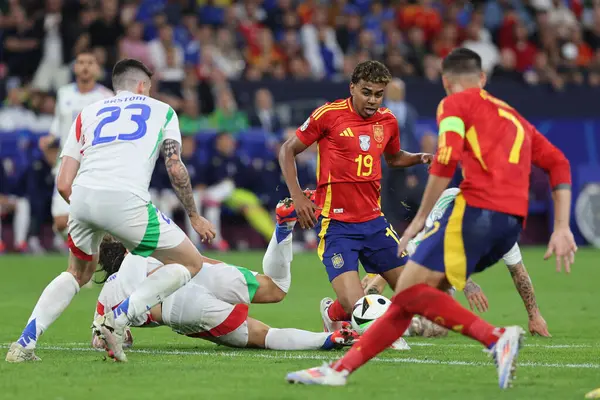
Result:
{"points": [[347, 133]]}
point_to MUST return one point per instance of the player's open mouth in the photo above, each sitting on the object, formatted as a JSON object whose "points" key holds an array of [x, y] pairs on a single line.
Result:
{"points": [[370, 110]]}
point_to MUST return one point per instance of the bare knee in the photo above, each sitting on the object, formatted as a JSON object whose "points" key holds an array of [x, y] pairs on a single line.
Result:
{"points": [[268, 291], [82, 270], [348, 289]]}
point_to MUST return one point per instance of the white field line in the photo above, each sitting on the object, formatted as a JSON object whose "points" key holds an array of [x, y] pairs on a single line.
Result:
{"points": [[439, 344], [295, 356]]}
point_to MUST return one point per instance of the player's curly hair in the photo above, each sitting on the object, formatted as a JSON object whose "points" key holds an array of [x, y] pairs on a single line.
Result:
{"points": [[112, 253], [371, 71]]}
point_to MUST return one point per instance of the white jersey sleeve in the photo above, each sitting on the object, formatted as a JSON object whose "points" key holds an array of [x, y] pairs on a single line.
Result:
{"points": [[513, 256], [73, 146]]}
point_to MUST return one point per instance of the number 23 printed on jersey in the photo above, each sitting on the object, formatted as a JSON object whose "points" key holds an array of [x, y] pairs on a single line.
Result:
{"points": [[114, 113]]}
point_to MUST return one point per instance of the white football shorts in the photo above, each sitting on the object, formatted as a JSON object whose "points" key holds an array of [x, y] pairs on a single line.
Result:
{"points": [[137, 223], [195, 312]]}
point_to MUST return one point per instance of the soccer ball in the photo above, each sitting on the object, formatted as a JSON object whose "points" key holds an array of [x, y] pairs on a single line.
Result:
{"points": [[367, 310]]}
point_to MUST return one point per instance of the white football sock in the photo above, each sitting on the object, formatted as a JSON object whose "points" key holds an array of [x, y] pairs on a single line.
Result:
{"points": [[277, 261], [22, 220], [294, 339], [152, 291], [53, 301]]}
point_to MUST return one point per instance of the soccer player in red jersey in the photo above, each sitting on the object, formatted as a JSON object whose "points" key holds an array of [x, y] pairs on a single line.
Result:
{"points": [[351, 135], [496, 147]]}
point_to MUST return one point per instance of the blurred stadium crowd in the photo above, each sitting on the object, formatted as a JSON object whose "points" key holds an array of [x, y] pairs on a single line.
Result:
{"points": [[196, 47]]}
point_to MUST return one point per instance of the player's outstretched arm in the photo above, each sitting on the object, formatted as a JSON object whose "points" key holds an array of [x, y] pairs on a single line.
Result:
{"points": [[403, 159], [305, 208], [548, 157], [181, 183]]}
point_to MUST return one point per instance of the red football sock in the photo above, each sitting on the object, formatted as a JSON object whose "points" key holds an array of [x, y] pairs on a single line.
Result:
{"points": [[441, 308], [376, 339], [424, 300], [337, 313]]}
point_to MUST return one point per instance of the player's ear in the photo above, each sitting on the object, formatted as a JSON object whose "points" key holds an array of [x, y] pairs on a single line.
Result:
{"points": [[482, 79], [351, 89]]}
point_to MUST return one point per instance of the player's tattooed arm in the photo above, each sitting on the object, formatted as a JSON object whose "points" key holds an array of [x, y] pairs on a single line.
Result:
{"points": [[403, 159], [178, 174], [524, 287]]}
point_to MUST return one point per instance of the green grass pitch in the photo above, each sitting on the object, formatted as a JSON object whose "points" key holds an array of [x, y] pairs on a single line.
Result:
{"points": [[166, 365]]}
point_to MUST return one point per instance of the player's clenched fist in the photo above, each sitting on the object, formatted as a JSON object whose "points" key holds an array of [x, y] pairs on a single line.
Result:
{"points": [[305, 209], [205, 229]]}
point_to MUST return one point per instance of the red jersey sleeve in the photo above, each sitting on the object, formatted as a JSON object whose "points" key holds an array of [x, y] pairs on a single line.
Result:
{"points": [[548, 157], [393, 145], [451, 137], [311, 130]]}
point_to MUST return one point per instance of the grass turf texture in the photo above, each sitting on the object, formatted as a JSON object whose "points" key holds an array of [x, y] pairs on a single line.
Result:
{"points": [[166, 365]]}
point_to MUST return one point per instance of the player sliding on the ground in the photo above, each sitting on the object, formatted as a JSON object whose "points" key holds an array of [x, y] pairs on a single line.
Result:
{"points": [[214, 304], [496, 147], [351, 135], [104, 175], [477, 299]]}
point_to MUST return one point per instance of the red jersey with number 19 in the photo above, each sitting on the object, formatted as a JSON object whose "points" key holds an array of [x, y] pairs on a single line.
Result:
{"points": [[349, 150], [496, 147]]}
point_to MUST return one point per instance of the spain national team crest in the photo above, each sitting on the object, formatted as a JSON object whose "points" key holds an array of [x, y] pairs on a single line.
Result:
{"points": [[378, 133], [365, 142], [337, 260]]}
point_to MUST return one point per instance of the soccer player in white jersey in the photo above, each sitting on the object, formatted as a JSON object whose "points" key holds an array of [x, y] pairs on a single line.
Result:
{"points": [[214, 304], [104, 175], [474, 294], [70, 100]]}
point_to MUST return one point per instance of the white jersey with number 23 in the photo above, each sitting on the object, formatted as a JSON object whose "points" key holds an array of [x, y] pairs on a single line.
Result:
{"points": [[117, 141]]}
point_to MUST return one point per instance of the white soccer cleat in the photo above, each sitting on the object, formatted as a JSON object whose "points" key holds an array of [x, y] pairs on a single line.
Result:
{"points": [[113, 336], [400, 344], [328, 324], [18, 354], [323, 375], [505, 353]]}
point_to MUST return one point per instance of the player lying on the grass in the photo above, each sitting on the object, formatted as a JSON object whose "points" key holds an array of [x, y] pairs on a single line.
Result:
{"points": [[496, 148], [352, 135], [477, 299], [214, 304]]}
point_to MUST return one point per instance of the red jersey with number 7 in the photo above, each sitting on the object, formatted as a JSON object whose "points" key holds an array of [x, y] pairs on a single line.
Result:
{"points": [[349, 150], [496, 147]]}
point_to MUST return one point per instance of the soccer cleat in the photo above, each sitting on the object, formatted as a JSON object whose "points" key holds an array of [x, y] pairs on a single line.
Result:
{"points": [[594, 394], [505, 353], [400, 344], [328, 324], [323, 375], [346, 336], [285, 210], [18, 354], [99, 344], [113, 336]]}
